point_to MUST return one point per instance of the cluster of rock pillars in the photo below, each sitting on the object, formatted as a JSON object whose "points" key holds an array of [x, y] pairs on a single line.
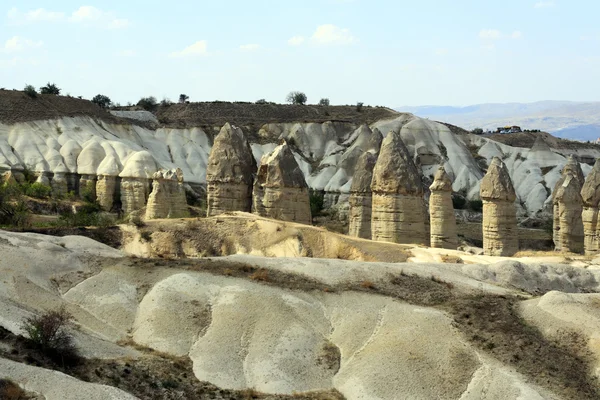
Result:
{"points": [[387, 197]]}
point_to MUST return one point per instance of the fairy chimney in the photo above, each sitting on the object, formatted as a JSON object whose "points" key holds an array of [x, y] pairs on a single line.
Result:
{"points": [[360, 197], [441, 212]]}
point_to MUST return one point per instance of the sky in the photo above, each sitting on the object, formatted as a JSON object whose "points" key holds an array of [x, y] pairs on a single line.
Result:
{"points": [[388, 53]]}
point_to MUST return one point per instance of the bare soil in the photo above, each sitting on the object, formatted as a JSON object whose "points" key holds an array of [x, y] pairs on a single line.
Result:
{"points": [[527, 139]]}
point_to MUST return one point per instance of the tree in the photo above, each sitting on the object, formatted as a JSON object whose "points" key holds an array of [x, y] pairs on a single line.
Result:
{"points": [[30, 91], [148, 103], [359, 106], [296, 98], [260, 101], [477, 131], [50, 88], [102, 100], [324, 102], [183, 98], [165, 102]]}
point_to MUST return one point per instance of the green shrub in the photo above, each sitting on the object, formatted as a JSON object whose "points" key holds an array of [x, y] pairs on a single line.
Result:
{"points": [[359, 106], [324, 102], [458, 202], [88, 214], [13, 210], [87, 193], [296, 98], [316, 202], [30, 91], [476, 205], [50, 88], [37, 190]]}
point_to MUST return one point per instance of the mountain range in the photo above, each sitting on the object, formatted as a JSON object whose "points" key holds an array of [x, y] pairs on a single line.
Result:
{"points": [[565, 119]]}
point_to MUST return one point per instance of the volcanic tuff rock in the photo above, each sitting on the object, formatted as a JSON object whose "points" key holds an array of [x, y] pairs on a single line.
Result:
{"points": [[570, 207], [280, 190], [590, 193], [441, 211], [574, 168], [361, 198], [106, 185], [500, 237], [230, 172], [135, 181], [397, 208], [167, 199]]}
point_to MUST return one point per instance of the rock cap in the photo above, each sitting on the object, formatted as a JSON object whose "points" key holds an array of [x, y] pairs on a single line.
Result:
{"points": [[280, 169], [395, 172], [590, 192], [231, 158], [363, 173], [496, 184], [441, 181]]}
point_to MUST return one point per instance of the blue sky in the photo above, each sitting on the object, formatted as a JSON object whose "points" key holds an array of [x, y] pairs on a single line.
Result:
{"points": [[392, 53]]}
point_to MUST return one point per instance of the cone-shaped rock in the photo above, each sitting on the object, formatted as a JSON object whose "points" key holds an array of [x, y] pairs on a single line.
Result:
{"points": [[574, 168], [360, 197], [398, 209], [230, 172], [136, 181], [500, 236], [280, 190], [590, 193], [167, 199], [540, 145], [570, 207], [441, 212]]}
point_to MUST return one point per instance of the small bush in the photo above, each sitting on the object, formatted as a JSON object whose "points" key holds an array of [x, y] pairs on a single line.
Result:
{"points": [[359, 106], [316, 203], [88, 193], [296, 98], [260, 101], [476, 205], [477, 131], [148, 103], [11, 391], [50, 88], [30, 91], [324, 102], [37, 190], [183, 98], [49, 333], [458, 202], [87, 215], [102, 100]]}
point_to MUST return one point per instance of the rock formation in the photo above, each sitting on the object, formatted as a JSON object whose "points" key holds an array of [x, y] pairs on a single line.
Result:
{"points": [[229, 172], [397, 208], [167, 199], [360, 197], [106, 185], [441, 211], [500, 235], [570, 207], [280, 190], [571, 167], [590, 193], [135, 181], [59, 183], [88, 161]]}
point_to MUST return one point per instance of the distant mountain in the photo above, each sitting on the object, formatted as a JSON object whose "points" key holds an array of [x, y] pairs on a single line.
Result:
{"points": [[566, 119]]}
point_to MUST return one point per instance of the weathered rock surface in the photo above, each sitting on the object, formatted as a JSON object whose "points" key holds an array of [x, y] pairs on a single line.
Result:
{"points": [[574, 168], [136, 180], [106, 184], [590, 193], [441, 211], [361, 198], [230, 172], [167, 199], [570, 207], [397, 207], [280, 190], [500, 236]]}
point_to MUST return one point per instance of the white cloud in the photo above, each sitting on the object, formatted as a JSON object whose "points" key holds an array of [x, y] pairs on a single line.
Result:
{"points": [[516, 35], [197, 49], [126, 53], [490, 34], [249, 47], [17, 43], [296, 41], [331, 34], [83, 15], [544, 4]]}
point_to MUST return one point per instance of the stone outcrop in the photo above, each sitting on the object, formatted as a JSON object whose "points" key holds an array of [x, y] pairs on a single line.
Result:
{"points": [[360, 199], [590, 194], [106, 185], [167, 199], [500, 235], [59, 183], [570, 207], [136, 181], [398, 211], [88, 162], [571, 167], [441, 212], [280, 190], [229, 172]]}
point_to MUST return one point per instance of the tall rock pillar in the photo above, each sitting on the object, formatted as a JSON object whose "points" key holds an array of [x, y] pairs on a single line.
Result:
{"points": [[398, 211], [230, 172], [571, 167], [500, 235], [570, 207], [590, 193], [441, 212], [360, 197]]}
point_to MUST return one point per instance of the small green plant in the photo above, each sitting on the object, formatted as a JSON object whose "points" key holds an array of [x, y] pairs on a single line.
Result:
{"points": [[50, 88], [87, 193], [316, 202], [30, 91], [37, 190], [102, 100], [148, 103]]}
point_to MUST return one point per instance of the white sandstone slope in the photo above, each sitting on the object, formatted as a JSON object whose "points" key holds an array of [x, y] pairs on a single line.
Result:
{"points": [[326, 152]]}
